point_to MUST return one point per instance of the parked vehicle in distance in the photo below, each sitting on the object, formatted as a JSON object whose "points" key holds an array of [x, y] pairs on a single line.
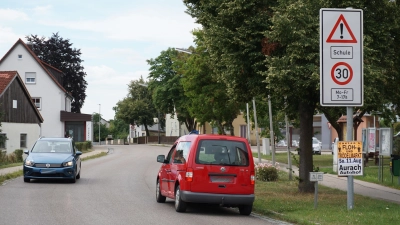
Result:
{"points": [[205, 168], [295, 143], [53, 158], [317, 146], [281, 143]]}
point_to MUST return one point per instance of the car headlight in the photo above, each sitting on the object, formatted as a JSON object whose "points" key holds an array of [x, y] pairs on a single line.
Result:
{"points": [[69, 163], [29, 163]]}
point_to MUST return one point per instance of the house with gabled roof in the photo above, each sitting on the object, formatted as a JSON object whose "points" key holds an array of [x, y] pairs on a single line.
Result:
{"points": [[21, 119], [44, 83]]}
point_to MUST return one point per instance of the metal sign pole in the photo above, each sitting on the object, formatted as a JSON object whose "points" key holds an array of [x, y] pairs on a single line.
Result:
{"points": [[316, 194], [350, 181]]}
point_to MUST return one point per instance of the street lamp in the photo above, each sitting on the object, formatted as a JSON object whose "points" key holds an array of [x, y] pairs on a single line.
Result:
{"points": [[99, 124]]}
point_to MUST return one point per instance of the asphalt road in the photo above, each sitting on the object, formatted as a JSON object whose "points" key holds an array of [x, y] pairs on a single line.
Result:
{"points": [[115, 189]]}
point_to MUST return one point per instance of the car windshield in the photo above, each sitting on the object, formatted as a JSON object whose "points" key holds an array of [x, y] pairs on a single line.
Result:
{"points": [[45, 146], [222, 152], [314, 141]]}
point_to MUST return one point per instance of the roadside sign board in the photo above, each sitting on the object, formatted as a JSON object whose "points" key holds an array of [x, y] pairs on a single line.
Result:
{"points": [[341, 57], [386, 141], [350, 158], [316, 176]]}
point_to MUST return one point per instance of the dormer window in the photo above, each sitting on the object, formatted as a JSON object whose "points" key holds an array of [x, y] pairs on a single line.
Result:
{"points": [[30, 77]]}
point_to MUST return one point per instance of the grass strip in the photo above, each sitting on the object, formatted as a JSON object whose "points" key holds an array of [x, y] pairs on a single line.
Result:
{"points": [[282, 200]]}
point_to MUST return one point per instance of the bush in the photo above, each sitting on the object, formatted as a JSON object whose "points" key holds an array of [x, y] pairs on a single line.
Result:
{"points": [[83, 146], [18, 153], [79, 146], [3, 155], [396, 128], [266, 172], [89, 144]]}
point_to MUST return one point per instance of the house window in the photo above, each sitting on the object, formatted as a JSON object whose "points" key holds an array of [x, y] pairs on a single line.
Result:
{"points": [[19, 56], [3, 139], [22, 141], [37, 102], [30, 77]]}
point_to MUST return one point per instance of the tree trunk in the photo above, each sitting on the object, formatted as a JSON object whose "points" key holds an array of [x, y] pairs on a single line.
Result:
{"points": [[306, 111], [147, 130], [232, 130], [190, 124]]}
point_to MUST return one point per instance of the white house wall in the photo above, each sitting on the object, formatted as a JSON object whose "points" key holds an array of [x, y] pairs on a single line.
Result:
{"points": [[171, 126], [52, 96], [13, 131]]}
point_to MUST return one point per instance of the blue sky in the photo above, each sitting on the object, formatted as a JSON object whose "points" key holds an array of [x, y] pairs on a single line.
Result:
{"points": [[115, 38]]}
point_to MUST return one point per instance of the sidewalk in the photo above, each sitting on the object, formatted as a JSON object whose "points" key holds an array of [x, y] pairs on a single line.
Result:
{"points": [[360, 187], [96, 150]]}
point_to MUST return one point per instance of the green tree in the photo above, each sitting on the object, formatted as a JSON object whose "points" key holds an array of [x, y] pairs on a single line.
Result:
{"points": [[119, 129], [381, 61], [59, 53], [167, 92], [294, 65], [137, 108], [103, 129], [209, 98], [234, 39]]}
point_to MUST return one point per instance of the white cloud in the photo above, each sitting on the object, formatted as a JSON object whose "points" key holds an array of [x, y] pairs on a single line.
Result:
{"points": [[106, 87], [11, 14], [152, 23], [42, 9], [8, 37], [126, 55]]}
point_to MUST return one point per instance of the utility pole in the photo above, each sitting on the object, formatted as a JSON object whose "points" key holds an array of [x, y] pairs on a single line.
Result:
{"points": [[99, 124]]}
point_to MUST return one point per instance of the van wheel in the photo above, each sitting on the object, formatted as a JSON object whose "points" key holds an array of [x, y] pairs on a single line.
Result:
{"points": [[159, 197], [180, 205], [245, 209]]}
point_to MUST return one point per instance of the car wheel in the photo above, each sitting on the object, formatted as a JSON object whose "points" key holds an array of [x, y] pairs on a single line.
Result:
{"points": [[27, 180], [245, 209], [159, 197], [180, 205], [79, 174]]}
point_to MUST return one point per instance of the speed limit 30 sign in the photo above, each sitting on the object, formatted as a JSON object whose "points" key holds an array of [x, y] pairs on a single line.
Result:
{"points": [[341, 57]]}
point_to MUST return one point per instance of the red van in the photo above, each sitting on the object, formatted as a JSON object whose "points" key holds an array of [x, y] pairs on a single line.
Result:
{"points": [[214, 169]]}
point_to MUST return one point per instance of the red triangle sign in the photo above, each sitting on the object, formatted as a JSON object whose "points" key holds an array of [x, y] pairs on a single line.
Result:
{"points": [[342, 21]]}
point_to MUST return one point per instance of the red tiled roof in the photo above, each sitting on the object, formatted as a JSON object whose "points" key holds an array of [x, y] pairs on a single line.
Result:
{"points": [[5, 79]]}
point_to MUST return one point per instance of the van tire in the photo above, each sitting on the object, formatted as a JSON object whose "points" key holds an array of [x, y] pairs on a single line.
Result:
{"points": [[159, 197], [245, 209], [180, 205]]}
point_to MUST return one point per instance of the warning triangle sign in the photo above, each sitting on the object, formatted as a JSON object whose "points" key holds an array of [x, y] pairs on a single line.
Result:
{"points": [[340, 33]]}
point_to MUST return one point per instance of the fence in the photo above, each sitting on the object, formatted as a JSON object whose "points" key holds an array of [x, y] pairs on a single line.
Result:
{"points": [[143, 140]]}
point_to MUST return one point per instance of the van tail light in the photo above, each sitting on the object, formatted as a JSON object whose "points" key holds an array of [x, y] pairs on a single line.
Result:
{"points": [[189, 174], [252, 178]]}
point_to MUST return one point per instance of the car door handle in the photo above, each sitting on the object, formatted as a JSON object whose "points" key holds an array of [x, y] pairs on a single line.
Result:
{"points": [[167, 170]]}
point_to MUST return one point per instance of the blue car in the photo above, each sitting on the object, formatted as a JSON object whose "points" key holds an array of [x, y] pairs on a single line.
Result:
{"points": [[53, 158]]}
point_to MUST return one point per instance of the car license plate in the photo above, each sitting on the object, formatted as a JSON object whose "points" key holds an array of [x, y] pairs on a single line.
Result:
{"points": [[45, 171], [221, 179]]}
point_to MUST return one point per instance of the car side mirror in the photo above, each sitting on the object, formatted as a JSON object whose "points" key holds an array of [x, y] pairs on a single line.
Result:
{"points": [[161, 158], [26, 151], [78, 153]]}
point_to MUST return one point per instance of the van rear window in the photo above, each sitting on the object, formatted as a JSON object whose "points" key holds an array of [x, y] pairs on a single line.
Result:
{"points": [[222, 152]]}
